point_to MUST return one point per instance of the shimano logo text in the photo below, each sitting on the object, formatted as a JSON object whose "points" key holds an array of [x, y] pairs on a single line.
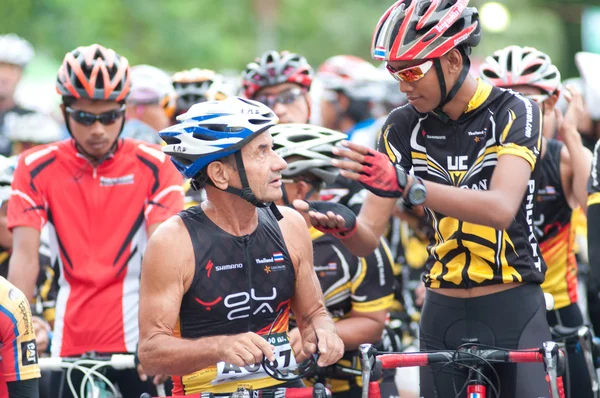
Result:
{"points": [[229, 266], [435, 137]]}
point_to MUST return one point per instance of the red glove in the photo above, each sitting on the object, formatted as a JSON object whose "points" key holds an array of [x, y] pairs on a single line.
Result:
{"points": [[379, 175]]}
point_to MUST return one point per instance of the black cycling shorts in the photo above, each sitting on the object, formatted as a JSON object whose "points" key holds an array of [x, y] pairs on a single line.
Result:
{"points": [[513, 319]]}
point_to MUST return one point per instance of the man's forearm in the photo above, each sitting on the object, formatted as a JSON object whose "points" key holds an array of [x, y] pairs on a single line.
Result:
{"points": [[176, 356], [355, 331], [364, 241], [23, 272]]}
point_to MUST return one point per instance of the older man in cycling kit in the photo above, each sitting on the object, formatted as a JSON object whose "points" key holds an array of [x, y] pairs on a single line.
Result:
{"points": [[101, 196], [219, 280], [473, 149]]}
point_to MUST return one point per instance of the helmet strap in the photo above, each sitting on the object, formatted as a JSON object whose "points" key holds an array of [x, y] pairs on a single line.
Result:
{"points": [[445, 99], [246, 193]]}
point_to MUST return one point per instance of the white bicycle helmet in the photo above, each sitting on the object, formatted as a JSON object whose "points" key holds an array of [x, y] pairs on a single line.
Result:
{"points": [[15, 50], [198, 85], [151, 85], [32, 127], [313, 143], [514, 65], [212, 130]]}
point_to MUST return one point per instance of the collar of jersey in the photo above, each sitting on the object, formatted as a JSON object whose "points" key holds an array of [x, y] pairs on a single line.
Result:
{"points": [[481, 94], [315, 233], [83, 159]]}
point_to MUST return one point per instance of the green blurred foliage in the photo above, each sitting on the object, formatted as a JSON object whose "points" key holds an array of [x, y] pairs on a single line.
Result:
{"points": [[226, 34]]}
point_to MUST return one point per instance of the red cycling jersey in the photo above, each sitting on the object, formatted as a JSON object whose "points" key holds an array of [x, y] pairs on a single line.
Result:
{"points": [[98, 219]]}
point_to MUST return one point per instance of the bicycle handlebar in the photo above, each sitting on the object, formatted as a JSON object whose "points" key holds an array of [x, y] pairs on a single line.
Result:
{"points": [[391, 361], [116, 361]]}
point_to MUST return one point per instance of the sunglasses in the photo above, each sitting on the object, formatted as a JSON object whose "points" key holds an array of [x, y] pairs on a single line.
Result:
{"points": [[287, 97], [301, 371], [87, 118], [412, 73]]}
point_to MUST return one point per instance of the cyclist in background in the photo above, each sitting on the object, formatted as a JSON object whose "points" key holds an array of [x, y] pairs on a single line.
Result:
{"points": [[562, 187], [197, 85], [588, 63], [150, 105], [15, 54], [472, 148], [30, 129], [281, 80], [352, 89], [358, 291], [70, 185], [19, 373]]}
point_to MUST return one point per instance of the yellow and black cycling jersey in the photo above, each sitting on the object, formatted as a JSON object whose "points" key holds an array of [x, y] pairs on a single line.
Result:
{"points": [[463, 153], [351, 284], [554, 230]]}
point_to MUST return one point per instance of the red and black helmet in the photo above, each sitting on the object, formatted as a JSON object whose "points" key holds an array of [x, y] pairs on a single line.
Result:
{"points": [[94, 72], [424, 29], [275, 68]]}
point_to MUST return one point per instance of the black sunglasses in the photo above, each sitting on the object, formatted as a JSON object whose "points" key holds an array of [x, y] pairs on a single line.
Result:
{"points": [[87, 118], [286, 97], [302, 370]]}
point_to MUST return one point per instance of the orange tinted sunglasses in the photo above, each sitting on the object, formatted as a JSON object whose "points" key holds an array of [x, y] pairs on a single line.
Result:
{"points": [[412, 73]]}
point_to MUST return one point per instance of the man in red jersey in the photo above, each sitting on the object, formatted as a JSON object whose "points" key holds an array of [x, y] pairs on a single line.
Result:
{"points": [[102, 196]]}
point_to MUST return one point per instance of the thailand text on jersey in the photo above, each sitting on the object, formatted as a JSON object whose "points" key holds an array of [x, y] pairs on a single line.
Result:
{"points": [[554, 231], [241, 284], [97, 218], [464, 153], [18, 349], [351, 283]]}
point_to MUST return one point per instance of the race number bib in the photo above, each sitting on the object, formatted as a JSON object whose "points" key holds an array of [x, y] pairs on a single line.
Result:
{"points": [[284, 359]]}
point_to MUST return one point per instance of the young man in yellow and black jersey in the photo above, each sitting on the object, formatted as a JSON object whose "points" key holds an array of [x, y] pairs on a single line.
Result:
{"points": [[565, 169], [474, 152], [358, 291]]}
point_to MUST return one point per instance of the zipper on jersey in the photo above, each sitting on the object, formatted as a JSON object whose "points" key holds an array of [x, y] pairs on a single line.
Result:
{"points": [[246, 239]]}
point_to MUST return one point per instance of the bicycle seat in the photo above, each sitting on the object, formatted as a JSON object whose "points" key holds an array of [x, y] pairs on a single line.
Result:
{"points": [[564, 332]]}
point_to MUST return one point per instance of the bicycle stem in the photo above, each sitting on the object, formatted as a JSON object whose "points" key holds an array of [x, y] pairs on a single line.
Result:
{"points": [[551, 353], [366, 362]]}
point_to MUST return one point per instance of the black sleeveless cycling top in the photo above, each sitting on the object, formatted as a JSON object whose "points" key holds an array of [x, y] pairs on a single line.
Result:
{"points": [[240, 284], [553, 210]]}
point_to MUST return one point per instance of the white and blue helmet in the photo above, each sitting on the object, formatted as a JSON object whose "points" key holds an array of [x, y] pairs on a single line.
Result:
{"points": [[212, 130]]}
